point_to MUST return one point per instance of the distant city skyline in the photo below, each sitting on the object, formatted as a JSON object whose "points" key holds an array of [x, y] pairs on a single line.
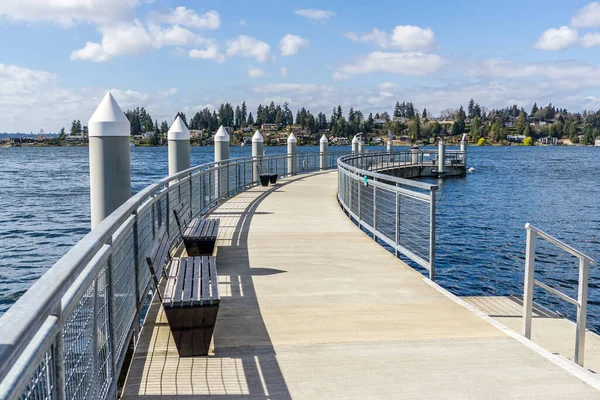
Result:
{"points": [[57, 60]]}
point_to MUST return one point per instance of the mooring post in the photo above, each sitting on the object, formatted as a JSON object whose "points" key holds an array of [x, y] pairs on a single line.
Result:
{"points": [[463, 148], [441, 156], [324, 143], [355, 145], [361, 145], [414, 152], [390, 142], [179, 147], [110, 159], [291, 149], [221, 140], [258, 149]]}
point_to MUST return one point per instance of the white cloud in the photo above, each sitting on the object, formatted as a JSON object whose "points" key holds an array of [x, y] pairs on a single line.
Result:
{"points": [[69, 12], [410, 63], [316, 15], [201, 107], [254, 73], [291, 44], [134, 38], [284, 72], [168, 92], [557, 39], [405, 37], [591, 39], [247, 46], [588, 16], [189, 18], [243, 22], [564, 75], [210, 53]]}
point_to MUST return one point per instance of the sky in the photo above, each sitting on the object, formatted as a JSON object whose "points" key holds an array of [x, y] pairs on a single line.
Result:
{"points": [[58, 58]]}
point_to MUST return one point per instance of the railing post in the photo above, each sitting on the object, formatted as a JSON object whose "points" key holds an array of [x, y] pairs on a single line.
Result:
{"points": [[359, 186], [432, 207], [529, 280], [397, 221], [59, 358], [582, 298], [374, 212]]}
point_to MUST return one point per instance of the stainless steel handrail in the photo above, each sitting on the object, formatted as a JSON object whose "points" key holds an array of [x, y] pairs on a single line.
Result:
{"points": [[373, 199], [582, 297], [89, 303]]}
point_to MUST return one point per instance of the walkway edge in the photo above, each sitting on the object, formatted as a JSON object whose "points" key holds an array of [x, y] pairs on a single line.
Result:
{"points": [[566, 364]]}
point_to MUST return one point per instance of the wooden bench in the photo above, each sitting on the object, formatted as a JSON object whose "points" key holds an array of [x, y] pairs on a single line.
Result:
{"points": [[188, 288], [199, 234]]}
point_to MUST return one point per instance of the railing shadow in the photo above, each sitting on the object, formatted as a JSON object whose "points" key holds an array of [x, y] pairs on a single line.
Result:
{"points": [[243, 364]]}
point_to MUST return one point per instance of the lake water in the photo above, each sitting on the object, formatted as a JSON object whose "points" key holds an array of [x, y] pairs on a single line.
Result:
{"points": [[44, 210]]}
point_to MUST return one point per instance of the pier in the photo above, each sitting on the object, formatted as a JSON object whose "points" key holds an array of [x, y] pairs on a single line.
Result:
{"points": [[314, 299]]}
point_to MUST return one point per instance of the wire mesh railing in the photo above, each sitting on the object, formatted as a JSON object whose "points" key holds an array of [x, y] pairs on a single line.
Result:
{"points": [[67, 336], [399, 212]]}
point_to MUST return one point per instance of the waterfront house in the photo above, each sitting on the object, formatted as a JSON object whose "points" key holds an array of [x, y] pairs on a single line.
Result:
{"points": [[548, 141], [597, 143], [516, 138], [269, 127]]}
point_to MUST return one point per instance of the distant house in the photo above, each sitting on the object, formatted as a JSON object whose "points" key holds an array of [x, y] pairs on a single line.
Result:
{"points": [[548, 141], [269, 127], [516, 138], [399, 119], [379, 121], [597, 143], [340, 141], [377, 140], [75, 138]]}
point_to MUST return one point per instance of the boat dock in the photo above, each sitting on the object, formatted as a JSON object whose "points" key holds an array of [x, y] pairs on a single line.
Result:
{"points": [[313, 308]]}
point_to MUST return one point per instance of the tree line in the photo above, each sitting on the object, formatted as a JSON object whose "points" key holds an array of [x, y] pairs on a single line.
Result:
{"points": [[477, 121]]}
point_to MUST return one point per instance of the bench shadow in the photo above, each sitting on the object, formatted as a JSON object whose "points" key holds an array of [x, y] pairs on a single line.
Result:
{"points": [[243, 364]]}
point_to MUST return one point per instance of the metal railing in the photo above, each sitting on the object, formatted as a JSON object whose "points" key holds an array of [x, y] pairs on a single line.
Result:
{"points": [[382, 161], [582, 293], [399, 212], [67, 336]]}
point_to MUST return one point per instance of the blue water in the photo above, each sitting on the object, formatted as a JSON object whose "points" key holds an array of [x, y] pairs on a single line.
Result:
{"points": [[44, 210]]}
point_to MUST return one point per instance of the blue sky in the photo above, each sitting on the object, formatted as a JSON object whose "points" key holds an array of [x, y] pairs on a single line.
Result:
{"points": [[58, 58]]}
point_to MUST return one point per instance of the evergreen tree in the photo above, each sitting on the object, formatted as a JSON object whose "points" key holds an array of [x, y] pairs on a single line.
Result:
{"points": [[424, 115], [250, 120], [183, 117], [244, 114], [397, 112], [62, 134], [534, 109], [415, 129], [164, 127], [471, 109]]}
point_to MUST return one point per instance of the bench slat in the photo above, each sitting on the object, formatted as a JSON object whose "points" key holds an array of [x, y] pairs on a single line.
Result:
{"points": [[179, 283], [194, 294], [214, 280], [189, 281], [171, 280], [205, 281]]}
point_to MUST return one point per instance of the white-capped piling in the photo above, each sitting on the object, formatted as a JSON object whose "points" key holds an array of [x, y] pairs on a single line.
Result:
{"points": [[355, 144], [221, 141], [110, 159], [258, 149], [361, 146], [414, 155], [463, 148], [324, 144], [441, 156], [291, 150], [390, 142], [179, 147]]}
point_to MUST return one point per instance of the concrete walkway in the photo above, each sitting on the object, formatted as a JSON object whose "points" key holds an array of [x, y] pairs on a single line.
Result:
{"points": [[313, 308]]}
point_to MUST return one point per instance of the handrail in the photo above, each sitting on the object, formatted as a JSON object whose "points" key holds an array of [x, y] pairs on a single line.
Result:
{"points": [[373, 200], [530, 282], [99, 287]]}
